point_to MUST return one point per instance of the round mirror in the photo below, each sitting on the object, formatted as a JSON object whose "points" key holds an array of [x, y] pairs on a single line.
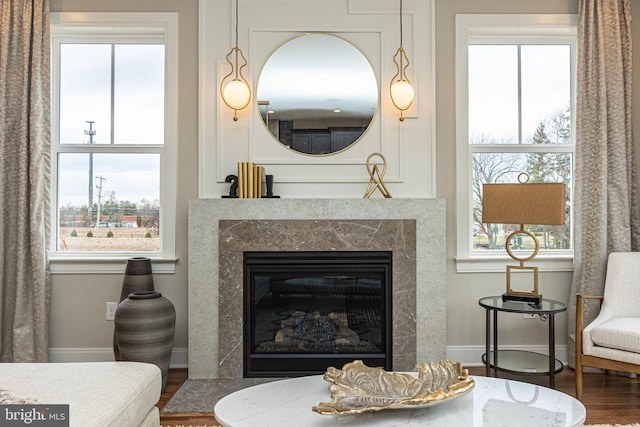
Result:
{"points": [[317, 94]]}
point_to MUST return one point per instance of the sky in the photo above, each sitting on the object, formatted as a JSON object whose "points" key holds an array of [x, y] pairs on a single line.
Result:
{"points": [[493, 88], [133, 177], [138, 112]]}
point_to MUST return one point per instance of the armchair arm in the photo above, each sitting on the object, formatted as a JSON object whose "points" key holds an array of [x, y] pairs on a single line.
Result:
{"points": [[579, 317], [587, 296]]}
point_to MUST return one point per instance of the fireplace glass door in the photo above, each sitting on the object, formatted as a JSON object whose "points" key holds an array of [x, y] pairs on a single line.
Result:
{"points": [[306, 311]]}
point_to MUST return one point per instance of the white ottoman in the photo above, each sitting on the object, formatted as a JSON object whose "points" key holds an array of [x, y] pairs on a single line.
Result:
{"points": [[101, 394]]}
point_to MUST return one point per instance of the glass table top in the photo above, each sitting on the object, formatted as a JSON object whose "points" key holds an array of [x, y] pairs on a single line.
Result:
{"points": [[546, 306]]}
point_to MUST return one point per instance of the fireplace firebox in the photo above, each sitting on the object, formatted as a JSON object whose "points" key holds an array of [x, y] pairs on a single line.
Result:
{"points": [[306, 311]]}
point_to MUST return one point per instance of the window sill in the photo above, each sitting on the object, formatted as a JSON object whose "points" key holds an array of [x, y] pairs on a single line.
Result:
{"points": [[105, 264], [497, 263]]}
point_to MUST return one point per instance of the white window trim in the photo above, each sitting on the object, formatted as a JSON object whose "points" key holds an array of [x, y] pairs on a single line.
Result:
{"points": [[476, 27], [166, 24]]}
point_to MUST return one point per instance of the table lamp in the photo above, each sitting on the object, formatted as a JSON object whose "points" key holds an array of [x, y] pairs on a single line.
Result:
{"points": [[523, 203]]}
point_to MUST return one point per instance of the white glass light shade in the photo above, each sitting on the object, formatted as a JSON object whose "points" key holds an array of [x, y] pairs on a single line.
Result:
{"points": [[402, 94], [236, 94]]}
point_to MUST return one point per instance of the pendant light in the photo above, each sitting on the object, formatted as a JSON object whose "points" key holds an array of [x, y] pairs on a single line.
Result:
{"points": [[234, 88], [401, 90]]}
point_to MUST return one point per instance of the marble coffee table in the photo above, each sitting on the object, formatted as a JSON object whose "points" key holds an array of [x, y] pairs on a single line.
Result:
{"points": [[492, 402]]}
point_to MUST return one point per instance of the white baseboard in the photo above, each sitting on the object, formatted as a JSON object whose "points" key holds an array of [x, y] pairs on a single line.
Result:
{"points": [[179, 356], [471, 355]]}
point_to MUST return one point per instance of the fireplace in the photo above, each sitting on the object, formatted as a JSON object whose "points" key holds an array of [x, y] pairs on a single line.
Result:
{"points": [[308, 310], [222, 230]]}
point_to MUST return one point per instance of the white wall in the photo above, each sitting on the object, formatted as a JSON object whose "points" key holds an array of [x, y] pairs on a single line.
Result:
{"points": [[373, 27], [77, 316]]}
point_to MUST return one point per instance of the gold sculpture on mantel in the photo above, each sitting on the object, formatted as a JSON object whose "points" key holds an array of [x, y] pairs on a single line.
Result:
{"points": [[358, 388], [375, 177]]}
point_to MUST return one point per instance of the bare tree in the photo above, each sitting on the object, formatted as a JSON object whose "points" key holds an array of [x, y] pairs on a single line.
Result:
{"points": [[546, 166], [490, 168]]}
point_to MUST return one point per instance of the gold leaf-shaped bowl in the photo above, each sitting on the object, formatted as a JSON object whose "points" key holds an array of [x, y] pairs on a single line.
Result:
{"points": [[357, 388]]}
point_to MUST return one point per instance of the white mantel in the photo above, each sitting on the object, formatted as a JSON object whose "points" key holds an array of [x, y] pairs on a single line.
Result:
{"points": [[204, 217]]}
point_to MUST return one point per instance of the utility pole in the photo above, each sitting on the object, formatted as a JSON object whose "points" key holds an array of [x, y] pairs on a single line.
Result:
{"points": [[91, 133], [100, 179]]}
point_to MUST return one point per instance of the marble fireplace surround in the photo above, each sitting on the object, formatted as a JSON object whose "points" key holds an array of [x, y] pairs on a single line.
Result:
{"points": [[220, 230]]}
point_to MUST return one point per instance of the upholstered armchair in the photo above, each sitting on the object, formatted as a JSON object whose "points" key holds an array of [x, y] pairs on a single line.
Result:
{"points": [[612, 340]]}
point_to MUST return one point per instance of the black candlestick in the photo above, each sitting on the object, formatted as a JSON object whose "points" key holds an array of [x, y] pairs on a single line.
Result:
{"points": [[269, 179]]}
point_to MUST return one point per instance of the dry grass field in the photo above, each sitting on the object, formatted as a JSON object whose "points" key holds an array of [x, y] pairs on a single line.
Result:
{"points": [[124, 239]]}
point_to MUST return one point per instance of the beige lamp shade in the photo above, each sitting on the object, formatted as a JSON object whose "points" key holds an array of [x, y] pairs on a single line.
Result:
{"points": [[524, 203]]}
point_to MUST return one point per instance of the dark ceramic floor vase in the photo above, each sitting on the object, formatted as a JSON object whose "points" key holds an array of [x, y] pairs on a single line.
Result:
{"points": [[138, 277], [144, 329]]}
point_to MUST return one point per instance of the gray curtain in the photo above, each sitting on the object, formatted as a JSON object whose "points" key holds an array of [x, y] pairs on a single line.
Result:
{"points": [[25, 148], [606, 214]]}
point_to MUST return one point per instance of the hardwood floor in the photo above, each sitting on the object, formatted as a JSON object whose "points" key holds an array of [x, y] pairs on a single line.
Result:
{"points": [[609, 399]]}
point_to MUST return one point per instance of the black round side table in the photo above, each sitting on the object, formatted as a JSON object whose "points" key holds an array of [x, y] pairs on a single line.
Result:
{"points": [[520, 361]]}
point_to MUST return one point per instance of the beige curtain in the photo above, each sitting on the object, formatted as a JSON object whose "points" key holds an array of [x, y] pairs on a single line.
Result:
{"points": [[24, 179], [606, 214]]}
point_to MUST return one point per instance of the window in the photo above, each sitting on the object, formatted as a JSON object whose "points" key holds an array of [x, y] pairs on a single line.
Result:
{"points": [[515, 114], [113, 135]]}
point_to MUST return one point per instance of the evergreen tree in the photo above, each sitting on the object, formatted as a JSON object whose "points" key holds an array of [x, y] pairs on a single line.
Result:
{"points": [[552, 166]]}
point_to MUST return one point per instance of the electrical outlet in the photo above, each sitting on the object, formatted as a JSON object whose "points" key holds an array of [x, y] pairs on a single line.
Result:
{"points": [[111, 310], [529, 315]]}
